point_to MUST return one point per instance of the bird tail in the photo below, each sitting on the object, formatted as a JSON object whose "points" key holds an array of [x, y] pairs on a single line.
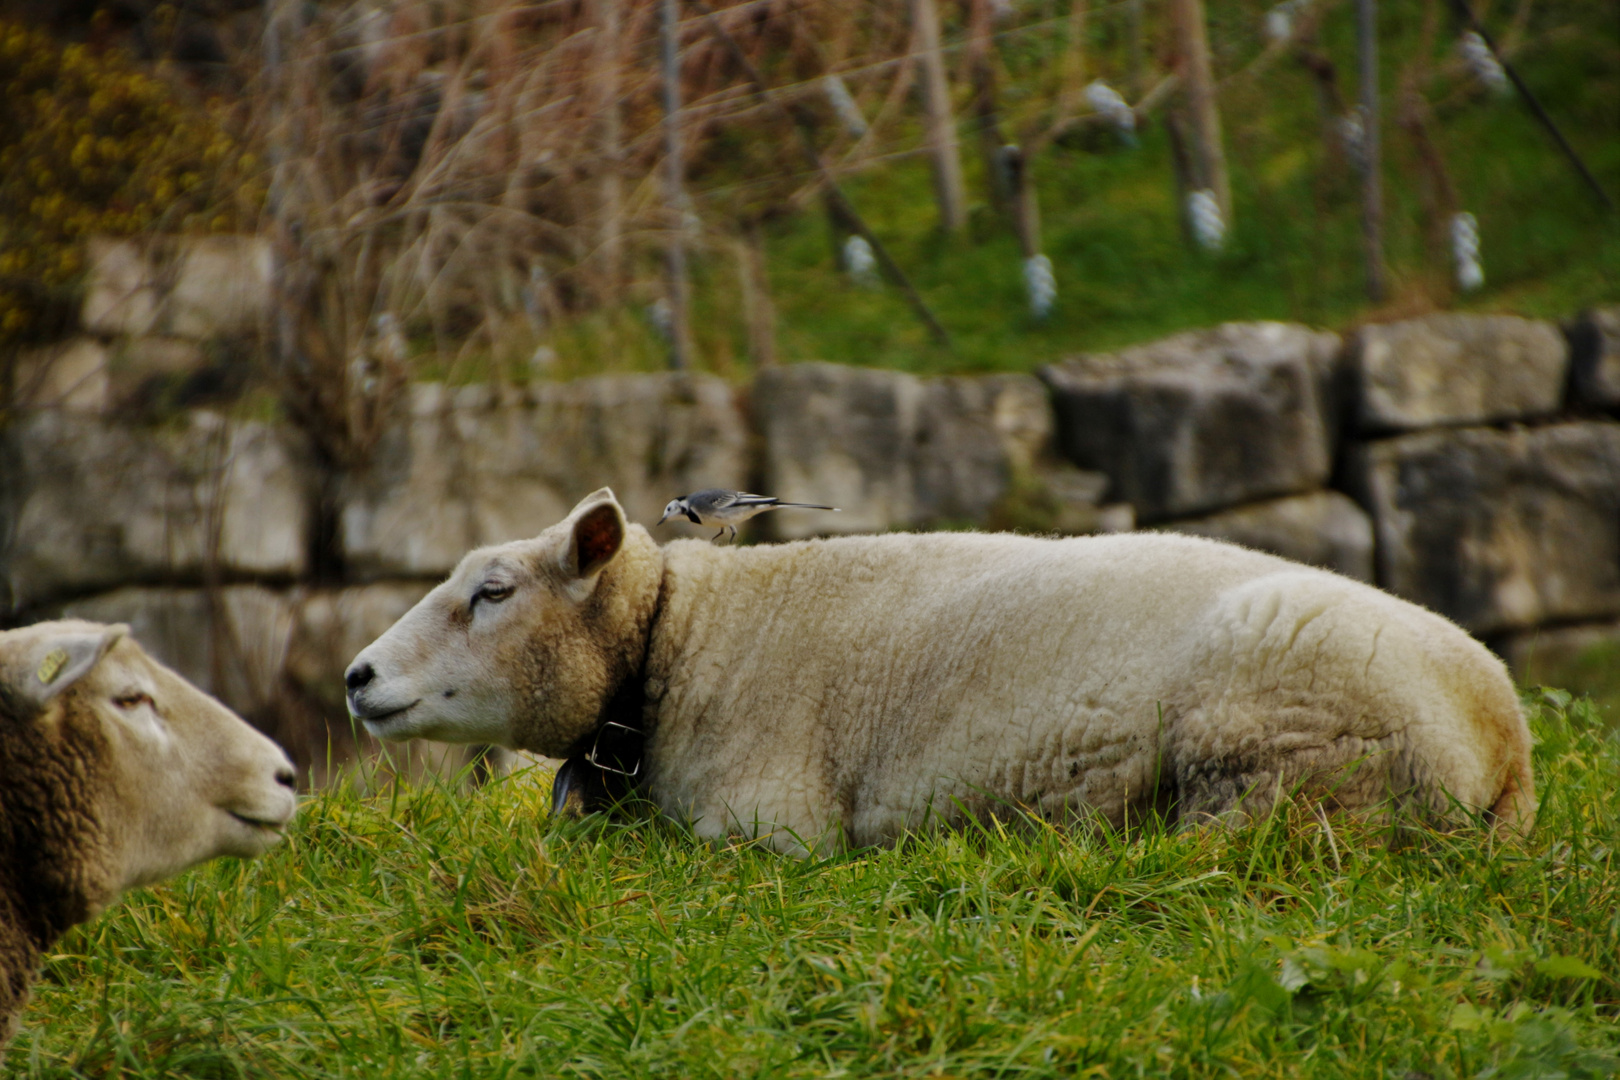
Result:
{"points": [[807, 506]]}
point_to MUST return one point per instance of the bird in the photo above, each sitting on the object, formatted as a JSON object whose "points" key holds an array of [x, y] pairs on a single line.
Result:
{"points": [[728, 509]]}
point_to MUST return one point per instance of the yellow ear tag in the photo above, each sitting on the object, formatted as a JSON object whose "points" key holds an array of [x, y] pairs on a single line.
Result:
{"points": [[52, 665]]}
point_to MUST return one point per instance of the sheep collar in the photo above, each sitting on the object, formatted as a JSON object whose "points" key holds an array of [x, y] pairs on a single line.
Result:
{"points": [[606, 764]]}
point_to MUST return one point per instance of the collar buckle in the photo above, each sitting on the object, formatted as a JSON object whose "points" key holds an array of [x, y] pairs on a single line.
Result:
{"points": [[591, 755]]}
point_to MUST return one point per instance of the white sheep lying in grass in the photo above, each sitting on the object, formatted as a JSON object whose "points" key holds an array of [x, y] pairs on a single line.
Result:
{"points": [[114, 772], [844, 691]]}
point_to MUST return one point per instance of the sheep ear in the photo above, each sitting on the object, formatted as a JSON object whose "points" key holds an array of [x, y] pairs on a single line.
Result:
{"points": [[600, 495], [597, 536], [48, 664]]}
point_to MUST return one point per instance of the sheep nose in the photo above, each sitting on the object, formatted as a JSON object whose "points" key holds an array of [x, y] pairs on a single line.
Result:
{"points": [[359, 675], [287, 778]]}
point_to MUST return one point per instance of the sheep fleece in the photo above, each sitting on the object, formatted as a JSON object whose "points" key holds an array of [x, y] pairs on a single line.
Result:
{"points": [[862, 685]]}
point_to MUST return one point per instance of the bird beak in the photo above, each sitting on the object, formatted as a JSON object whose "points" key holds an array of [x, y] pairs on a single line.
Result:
{"points": [[664, 518]]}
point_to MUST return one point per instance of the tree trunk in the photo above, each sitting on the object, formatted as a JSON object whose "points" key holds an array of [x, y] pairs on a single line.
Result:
{"points": [[981, 62], [840, 210], [1372, 188], [942, 146], [1208, 157], [759, 314], [1175, 126], [1026, 210], [610, 71], [674, 194]]}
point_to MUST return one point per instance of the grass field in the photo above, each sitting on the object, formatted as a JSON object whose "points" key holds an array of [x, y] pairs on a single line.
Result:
{"points": [[425, 933]]}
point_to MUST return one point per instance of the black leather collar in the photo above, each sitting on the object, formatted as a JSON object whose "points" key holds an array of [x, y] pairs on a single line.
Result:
{"points": [[604, 766]]}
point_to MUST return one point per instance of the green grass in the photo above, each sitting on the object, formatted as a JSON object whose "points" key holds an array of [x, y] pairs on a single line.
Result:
{"points": [[421, 932], [1594, 672]]}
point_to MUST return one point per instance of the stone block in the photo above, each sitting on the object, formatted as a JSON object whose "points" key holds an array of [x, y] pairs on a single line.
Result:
{"points": [[121, 291], [230, 641], [1594, 357], [893, 451], [1457, 369], [221, 287], [1204, 419], [70, 375], [975, 434], [457, 469], [839, 435], [95, 504], [1496, 529], [138, 358], [1057, 498], [196, 287], [1324, 528]]}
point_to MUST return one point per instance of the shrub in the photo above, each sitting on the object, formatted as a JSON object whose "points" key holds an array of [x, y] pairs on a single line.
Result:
{"points": [[91, 144]]}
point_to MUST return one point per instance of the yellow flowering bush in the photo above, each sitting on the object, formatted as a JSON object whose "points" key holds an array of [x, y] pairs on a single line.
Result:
{"points": [[92, 144]]}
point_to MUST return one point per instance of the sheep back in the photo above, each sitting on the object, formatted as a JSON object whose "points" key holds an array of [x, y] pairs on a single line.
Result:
{"points": [[844, 691]]}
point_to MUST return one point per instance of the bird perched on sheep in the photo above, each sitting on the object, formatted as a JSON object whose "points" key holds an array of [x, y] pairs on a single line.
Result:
{"points": [[840, 692], [728, 509], [114, 772]]}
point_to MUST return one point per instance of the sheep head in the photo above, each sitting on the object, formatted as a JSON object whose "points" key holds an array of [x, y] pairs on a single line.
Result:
{"points": [[118, 772], [523, 644]]}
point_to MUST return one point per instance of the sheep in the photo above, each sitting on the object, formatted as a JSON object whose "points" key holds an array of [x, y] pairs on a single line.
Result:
{"points": [[114, 772], [839, 692]]}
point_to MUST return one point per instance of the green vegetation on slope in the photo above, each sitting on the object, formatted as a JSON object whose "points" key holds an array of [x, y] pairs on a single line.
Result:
{"points": [[1111, 223], [423, 933]]}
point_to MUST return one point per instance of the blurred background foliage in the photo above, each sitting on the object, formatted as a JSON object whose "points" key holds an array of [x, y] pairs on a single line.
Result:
{"points": [[95, 142], [468, 189]]}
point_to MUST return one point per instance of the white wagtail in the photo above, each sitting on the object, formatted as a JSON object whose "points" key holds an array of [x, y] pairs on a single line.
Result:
{"points": [[727, 509]]}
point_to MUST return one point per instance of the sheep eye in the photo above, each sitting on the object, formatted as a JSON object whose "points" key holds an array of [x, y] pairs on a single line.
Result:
{"points": [[492, 592], [132, 700]]}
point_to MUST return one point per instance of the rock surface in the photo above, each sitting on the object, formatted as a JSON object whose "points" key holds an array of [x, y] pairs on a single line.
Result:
{"points": [[1324, 528], [1499, 529], [70, 375], [96, 505], [843, 436], [461, 468], [974, 435], [221, 287], [893, 451], [1457, 369], [1202, 420], [196, 287], [1594, 348], [120, 293]]}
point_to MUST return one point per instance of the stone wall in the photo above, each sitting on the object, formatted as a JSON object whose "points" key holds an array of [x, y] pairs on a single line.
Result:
{"points": [[1470, 463]]}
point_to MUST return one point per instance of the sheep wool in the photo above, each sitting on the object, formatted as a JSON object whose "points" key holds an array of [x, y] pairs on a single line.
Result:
{"points": [[841, 692], [53, 846]]}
